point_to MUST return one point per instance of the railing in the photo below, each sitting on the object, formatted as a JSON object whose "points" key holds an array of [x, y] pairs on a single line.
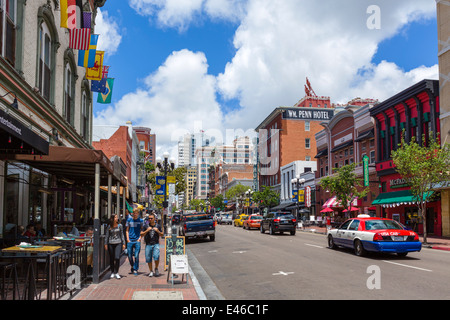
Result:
{"points": [[44, 276]]}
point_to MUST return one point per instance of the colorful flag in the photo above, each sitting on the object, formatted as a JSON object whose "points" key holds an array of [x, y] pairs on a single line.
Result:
{"points": [[80, 38], [86, 58], [105, 72], [106, 97], [71, 14], [87, 18], [95, 73], [99, 86]]}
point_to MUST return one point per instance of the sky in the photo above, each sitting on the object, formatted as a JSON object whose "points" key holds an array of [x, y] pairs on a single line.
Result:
{"points": [[222, 66]]}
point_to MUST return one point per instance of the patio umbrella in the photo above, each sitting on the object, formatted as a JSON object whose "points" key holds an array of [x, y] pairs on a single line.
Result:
{"points": [[327, 210]]}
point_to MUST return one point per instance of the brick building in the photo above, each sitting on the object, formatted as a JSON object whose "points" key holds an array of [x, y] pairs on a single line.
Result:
{"points": [[287, 134], [346, 139]]}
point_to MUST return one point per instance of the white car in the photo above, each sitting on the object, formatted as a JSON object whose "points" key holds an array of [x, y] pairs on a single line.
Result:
{"points": [[374, 234]]}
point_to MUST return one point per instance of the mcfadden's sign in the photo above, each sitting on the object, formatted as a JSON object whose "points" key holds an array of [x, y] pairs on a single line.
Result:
{"points": [[308, 114]]}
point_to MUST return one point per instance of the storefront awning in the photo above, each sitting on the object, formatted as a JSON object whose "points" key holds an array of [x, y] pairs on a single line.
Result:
{"points": [[334, 203], [16, 137], [396, 198], [76, 164]]}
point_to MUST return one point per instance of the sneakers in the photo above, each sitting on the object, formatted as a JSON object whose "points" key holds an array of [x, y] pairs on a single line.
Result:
{"points": [[135, 272], [112, 275], [156, 273], [150, 274], [118, 276]]}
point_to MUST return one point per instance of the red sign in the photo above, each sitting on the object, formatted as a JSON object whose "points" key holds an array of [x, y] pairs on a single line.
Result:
{"points": [[308, 196]]}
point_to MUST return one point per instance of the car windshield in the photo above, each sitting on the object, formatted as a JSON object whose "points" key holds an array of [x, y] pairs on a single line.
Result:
{"points": [[197, 217], [382, 224], [256, 218], [286, 216]]}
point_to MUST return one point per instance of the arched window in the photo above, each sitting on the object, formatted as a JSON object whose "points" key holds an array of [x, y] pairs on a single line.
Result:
{"points": [[8, 18], [45, 61], [68, 93]]}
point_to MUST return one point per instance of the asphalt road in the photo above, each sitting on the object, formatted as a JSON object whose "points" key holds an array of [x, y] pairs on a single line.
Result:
{"points": [[248, 265]]}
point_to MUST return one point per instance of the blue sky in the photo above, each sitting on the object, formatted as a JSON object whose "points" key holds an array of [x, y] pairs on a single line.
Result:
{"points": [[185, 65]]}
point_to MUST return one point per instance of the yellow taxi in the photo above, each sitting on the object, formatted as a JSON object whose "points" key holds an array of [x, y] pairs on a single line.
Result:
{"points": [[239, 221]]}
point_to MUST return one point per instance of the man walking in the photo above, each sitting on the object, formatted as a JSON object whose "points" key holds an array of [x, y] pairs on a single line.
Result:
{"points": [[151, 233], [134, 225]]}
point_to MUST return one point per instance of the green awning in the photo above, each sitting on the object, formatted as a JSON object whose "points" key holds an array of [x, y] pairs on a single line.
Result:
{"points": [[396, 198]]}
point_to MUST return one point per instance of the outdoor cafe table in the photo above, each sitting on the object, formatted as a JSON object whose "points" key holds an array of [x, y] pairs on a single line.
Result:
{"points": [[15, 250]]}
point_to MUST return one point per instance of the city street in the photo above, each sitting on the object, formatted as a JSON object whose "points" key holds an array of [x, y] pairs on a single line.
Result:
{"points": [[250, 265]]}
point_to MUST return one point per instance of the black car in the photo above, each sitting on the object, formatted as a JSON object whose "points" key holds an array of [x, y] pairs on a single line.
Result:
{"points": [[279, 222]]}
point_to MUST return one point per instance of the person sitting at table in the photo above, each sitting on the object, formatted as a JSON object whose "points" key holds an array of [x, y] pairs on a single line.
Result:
{"points": [[30, 233], [40, 232], [90, 246]]}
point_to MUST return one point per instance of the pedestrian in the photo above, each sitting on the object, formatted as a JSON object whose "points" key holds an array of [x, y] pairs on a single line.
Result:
{"points": [[151, 233], [114, 244], [133, 236]]}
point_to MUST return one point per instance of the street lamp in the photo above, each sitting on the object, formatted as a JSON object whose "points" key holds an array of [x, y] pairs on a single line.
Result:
{"points": [[167, 166], [298, 182], [248, 195]]}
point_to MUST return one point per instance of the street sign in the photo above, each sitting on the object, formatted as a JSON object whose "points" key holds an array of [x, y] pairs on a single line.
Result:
{"points": [[366, 170], [308, 196]]}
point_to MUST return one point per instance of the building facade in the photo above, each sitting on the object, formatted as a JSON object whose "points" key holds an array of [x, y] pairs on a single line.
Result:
{"points": [[414, 110], [288, 134], [443, 23], [346, 139], [46, 102]]}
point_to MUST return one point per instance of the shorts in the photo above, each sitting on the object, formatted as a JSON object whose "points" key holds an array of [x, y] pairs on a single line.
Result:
{"points": [[151, 252]]}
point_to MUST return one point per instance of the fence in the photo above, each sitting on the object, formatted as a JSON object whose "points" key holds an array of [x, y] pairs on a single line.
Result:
{"points": [[27, 276]]}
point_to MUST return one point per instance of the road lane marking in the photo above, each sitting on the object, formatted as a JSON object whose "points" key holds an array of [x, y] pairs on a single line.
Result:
{"points": [[239, 251], [405, 265], [282, 273], [313, 245]]}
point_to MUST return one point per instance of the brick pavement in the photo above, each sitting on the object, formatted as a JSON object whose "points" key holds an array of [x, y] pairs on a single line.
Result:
{"points": [[129, 284]]}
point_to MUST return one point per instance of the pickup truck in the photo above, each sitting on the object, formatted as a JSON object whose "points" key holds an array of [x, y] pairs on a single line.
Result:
{"points": [[226, 218], [198, 226]]}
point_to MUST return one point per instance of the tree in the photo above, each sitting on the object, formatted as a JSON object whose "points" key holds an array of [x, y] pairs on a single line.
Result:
{"points": [[423, 167], [217, 202], [345, 185], [266, 197]]}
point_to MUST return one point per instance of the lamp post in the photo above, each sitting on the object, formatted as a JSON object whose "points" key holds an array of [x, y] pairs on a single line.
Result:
{"points": [[298, 182], [248, 196], [166, 166]]}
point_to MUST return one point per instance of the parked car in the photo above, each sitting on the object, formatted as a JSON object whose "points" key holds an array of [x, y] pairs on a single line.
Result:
{"points": [[364, 234], [278, 222], [226, 218], [198, 226], [239, 221], [253, 221]]}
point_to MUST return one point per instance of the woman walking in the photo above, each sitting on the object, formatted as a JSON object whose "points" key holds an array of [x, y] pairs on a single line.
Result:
{"points": [[115, 244]]}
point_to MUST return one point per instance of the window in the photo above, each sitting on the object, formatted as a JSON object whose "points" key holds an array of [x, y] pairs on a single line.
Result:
{"points": [[85, 118], [307, 158], [307, 125], [372, 156], [8, 28], [68, 94], [307, 143], [45, 61], [354, 225]]}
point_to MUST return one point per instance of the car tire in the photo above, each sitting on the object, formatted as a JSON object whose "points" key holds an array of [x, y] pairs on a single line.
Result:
{"points": [[212, 237], [261, 229], [359, 248], [402, 254], [331, 243], [292, 232], [271, 230]]}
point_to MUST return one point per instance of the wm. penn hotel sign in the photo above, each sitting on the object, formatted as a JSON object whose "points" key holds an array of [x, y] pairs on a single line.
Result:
{"points": [[308, 114]]}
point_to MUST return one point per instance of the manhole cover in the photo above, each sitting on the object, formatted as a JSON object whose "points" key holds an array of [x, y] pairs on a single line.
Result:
{"points": [[157, 295]]}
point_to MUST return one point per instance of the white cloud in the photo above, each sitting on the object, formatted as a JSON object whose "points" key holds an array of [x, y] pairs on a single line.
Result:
{"points": [[177, 97], [278, 44], [108, 29]]}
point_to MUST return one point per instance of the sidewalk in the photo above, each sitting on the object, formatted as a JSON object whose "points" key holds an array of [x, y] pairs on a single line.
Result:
{"points": [[439, 243], [140, 287]]}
